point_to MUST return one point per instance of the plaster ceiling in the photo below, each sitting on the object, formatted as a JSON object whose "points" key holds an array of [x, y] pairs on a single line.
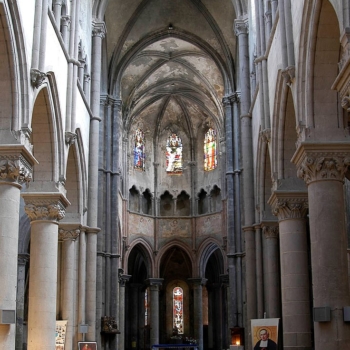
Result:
{"points": [[171, 61]]}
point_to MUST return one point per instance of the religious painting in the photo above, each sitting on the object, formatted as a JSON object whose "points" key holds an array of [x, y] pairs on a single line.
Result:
{"points": [[139, 150], [174, 155], [265, 333], [87, 345], [210, 150], [178, 319], [61, 328]]}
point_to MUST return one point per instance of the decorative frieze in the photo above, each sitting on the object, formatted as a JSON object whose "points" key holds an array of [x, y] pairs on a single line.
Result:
{"points": [[289, 204], [45, 206], [16, 164], [317, 162]]}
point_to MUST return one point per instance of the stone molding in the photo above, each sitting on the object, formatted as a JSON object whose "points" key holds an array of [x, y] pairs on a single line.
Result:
{"points": [[45, 206], [16, 164], [322, 162], [99, 29], [270, 230], [289, 204]]}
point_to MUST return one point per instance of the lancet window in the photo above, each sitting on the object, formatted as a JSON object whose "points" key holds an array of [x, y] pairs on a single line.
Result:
{"points": [[139, 150], [178, 319], [174, 155], [210, 150]]}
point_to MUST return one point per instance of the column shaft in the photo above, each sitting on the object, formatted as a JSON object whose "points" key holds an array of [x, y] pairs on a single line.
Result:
{"points": [[9, 216], [42, 285]]}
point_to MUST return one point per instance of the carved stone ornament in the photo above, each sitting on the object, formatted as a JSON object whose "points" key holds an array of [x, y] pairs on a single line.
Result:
{"points": [[99, 29], [16, 164], [345, 54], [292, 208], [70, 137], [37, 77], [241, 27], [266, 135], [322, 161], [68, 235], [270, 231], [123, 279], [45, 206], [109, 325], [319, 167]]}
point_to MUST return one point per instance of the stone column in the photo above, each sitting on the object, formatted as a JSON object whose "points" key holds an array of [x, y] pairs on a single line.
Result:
{"points": [[57, 7], [123, 279], [259, 273], [15, 167], [44, 211], [271, 265], [65, 22], [197, 284], [20, 337], [67, 234], [322, 166], [98, 34], [291, 209], [155, 284]]}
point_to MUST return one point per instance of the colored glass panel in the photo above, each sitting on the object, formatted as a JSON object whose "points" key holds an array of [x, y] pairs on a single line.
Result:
{"points": [[139, 150], [174, 155], [178, 319], [210, 151]]}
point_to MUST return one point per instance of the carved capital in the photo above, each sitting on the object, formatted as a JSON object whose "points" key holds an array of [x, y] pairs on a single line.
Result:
{"points": [[266, 135], [289, 74], [197, 282], [45, 206], [123, 279], [241, 27], [68, 233], [99, 29], [268, 17], [345, 52], [289, 204], [226, 101], [70, 137], [270, 230], [37, 77], [322, 162], [65, 21], [16, 164]]}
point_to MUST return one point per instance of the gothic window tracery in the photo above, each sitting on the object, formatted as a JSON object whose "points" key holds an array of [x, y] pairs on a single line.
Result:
{"points": [[174, 155], [210, 157], [139, 150]]}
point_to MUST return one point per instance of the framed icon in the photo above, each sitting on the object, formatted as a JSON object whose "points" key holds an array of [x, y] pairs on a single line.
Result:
{"points": [[87, 345]]}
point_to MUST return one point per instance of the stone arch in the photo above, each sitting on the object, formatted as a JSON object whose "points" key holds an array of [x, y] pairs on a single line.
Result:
{"points": [[143, 255], [205, 251]]}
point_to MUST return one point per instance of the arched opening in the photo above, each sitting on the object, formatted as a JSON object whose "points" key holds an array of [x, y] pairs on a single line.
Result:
{"points": [[175, 269], [136, 297]]}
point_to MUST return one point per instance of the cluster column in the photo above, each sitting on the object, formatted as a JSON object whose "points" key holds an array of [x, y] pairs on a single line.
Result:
{"points": [[44, 211], [291, 209], [155, 284], [123, 279], [322, 166], [16, 167]]}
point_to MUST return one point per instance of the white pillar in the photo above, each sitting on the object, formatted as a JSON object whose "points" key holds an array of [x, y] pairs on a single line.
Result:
{"points": [[123, 279], [44, 211], [12, 172], [155, 284]]}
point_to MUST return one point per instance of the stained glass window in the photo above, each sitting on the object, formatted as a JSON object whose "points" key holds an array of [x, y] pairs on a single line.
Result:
{"points": [[210, 158], [178, 319], [146, 307], [174, 155], [139, 150]]}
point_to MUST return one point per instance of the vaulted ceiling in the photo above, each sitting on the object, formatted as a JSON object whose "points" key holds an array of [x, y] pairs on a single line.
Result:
{"points": [[171, 60]]}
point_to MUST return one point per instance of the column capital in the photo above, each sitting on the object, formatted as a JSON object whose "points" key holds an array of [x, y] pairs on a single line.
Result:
{"points": [[322, 161], [45, 206], [123, 279], [270, 229], [196, 282], [266, 135], [68, 231], [155, 281], [65, 20], [99, 29], [241, 26], [16, 164], [289, 204], [23, 258]]}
